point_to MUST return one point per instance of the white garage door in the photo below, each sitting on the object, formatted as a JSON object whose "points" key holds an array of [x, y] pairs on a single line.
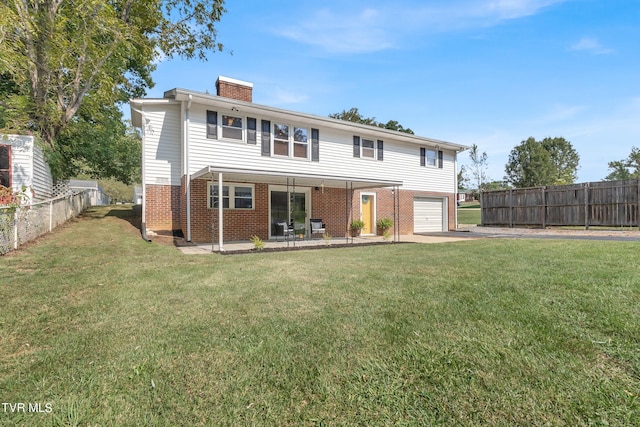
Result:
{"points": [[428, 215]]}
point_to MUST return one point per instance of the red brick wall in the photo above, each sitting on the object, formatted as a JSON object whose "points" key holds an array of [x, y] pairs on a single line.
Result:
{"points": [[327, 204], [162, 206], [234, 91], [239, 224]]}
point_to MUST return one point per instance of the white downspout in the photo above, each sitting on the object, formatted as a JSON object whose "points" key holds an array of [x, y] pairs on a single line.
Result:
{"points": [[143, 221], [455, 188], [186, 167]]}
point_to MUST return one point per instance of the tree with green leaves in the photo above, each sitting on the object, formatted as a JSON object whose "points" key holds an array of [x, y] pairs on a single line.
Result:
{"points": [[353, 115], [479, 165], [552, 161], [628, 168], [58, 57], [463, 181]]}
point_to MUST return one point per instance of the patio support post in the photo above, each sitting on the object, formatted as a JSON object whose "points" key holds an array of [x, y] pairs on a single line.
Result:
{"points": [[213, 218], [346, 209], [398, 203], [351, 199], [292, 210], [220, 214], [395, 215]]}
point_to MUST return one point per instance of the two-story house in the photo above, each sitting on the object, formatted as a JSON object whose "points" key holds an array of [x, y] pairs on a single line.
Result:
{"points": [[220, 167]]}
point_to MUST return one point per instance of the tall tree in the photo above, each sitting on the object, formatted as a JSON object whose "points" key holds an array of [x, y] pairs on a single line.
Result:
{"points": [[463, 181], [58, 54], [564, 159], [552, 161], [628, 168], [479, 165], [353, 115]]}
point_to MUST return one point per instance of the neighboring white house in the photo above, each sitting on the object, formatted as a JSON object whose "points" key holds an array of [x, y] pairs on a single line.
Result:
{"points": [[98, 198], [137, 195], [22, 165], [271, 165]]}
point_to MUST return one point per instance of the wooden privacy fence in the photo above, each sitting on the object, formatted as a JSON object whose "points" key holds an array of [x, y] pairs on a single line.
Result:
{"points": [[607, 203]]}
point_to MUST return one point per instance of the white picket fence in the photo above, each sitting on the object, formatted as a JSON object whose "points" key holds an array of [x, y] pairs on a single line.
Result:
{"points": [[22, 224]]}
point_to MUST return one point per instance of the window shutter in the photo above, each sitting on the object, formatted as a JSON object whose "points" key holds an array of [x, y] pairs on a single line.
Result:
{"points": [[212, 124], [440, 159], [380, 150], [315, 145], [251, 130], [423, 156], [266, 138], [356, 146], [5, 165]]}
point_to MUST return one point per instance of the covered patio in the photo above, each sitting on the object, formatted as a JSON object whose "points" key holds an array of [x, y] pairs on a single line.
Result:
{"points": [[292, 184]]}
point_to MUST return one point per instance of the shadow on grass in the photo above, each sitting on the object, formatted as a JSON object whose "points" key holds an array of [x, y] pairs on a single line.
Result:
{"points": [[130, 213]]}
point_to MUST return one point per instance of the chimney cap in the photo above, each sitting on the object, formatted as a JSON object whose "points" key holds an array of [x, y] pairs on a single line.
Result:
{"points": [[234, 81]]}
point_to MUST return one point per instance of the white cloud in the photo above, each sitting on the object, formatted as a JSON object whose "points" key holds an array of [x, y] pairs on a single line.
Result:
{"points": [[591, 45], [381, 26], [513, 9], [282, 97], [561, 113], [343, 33]]}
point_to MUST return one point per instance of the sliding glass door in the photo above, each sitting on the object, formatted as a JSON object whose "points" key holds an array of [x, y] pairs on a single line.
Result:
{"points": [[289, 206]]}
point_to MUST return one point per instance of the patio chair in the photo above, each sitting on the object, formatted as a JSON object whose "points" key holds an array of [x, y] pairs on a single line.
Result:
{"points": [[317, 227], [283, 229]]}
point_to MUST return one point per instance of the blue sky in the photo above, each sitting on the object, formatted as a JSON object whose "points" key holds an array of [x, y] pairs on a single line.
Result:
{"points": [[489, 72]]}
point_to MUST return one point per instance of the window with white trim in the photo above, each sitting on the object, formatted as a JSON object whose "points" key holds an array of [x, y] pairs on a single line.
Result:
{"points": [[280, 140], [431, 158], [368, 149], [234, 196], [290, 141], [300, 143], [232, 127]]}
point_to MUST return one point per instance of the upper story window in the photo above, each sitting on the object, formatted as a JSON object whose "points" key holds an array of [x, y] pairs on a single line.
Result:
{"points": [[290, 141], [368, 148], [431, 158], [234, 196], [5, 165], [281, 140], [232, 127], [300, 143]]}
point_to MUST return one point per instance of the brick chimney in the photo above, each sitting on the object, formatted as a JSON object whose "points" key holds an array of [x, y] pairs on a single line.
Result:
{"points": [[234, 89]]}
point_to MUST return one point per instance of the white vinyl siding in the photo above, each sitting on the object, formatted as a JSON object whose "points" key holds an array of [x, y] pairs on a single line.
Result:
{"points": [[29, 168], [42, 179], [401, 160], [162, 144]]}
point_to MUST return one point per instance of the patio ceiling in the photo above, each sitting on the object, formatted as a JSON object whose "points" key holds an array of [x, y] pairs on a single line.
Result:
{"points": [[284, 178]]}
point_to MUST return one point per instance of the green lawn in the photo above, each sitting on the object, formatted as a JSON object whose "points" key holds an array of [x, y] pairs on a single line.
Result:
{"points": [[469, 216], [111, 330]]}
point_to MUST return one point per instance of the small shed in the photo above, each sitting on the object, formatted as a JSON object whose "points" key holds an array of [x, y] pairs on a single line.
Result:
{"points": [[22, 166], [98, 198]]}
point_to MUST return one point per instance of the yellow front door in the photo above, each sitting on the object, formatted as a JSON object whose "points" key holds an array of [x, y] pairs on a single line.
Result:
{"points": [[367, 213]]}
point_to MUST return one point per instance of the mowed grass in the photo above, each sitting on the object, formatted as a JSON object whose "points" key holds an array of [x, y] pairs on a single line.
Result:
{"points": [[111, 330], [469, 216]]}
